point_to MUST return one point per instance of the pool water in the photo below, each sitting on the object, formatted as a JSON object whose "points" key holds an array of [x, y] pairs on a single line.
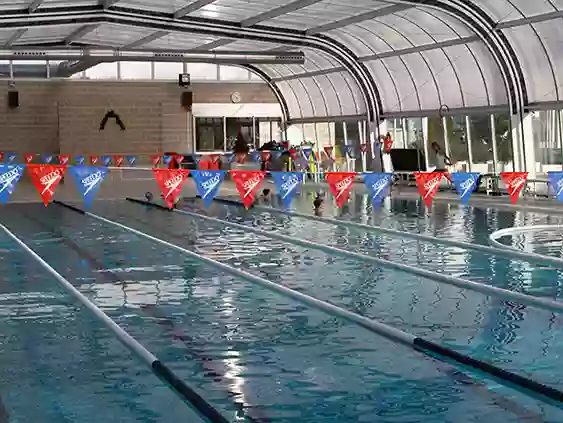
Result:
{"points": [[254, 355]]}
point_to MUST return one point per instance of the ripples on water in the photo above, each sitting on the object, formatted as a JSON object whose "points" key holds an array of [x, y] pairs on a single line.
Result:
{"points": [[255, 354]]}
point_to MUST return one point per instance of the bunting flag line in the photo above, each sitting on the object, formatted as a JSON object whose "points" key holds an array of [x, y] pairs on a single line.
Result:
{"points": [[208, 183], [465, 184], [88, 180], [170, 182], [556, 182], [118, 160], [46, 178], [515, 182], [247, 182], [287, 185], [9, 178], [106, 160], [428, 184], [79, 159], [378, 185], [340, 185]]}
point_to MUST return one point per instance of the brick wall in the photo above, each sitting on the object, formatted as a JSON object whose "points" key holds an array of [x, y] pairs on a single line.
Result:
{"points": [[64, 116]]}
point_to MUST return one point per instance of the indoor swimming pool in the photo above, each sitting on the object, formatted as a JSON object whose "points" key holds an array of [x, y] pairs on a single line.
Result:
{"points": [[253, 354]]}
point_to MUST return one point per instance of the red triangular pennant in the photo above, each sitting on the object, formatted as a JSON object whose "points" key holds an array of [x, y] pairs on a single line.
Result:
{"points": [[265, 156], [340, 184], [363, 147], [293, 153], [241, 158], [428, 184], [45, 178], [170, 182], [28, 158], [179, 159], [156, 160], [247, 182], [118, 160], [328, 151], [1, 156], [64, 159], [94, 160], [515, 182], [214, 158]]}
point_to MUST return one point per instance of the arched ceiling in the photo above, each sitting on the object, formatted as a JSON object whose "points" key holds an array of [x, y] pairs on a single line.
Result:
{"points": [[362, 58]]}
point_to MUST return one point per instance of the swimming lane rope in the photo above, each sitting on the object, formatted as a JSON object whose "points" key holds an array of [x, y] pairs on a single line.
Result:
{"points": [[502, 251], [517, 230], [536, 389], [193, 399]]}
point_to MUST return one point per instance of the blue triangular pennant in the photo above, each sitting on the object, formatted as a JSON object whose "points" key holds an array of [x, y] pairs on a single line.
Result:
{"points": [[556, 182], [196, 157], [255, 156], [465, 183], [47, 158], [131, 160], [166, 159], [307, 153], [349, 150], [106, 160], [88, 180], [287, 185], [208, 183], [79, 159], [9, 177], [11, 157], [276, 154], [378, 185], [229, 157]]}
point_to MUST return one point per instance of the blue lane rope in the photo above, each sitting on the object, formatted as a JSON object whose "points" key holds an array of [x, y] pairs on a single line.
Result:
{"points": [[192, 398], [535, 389]]}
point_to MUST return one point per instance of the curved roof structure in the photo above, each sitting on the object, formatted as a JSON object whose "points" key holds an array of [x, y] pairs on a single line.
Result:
{"points": [[368, 58]]}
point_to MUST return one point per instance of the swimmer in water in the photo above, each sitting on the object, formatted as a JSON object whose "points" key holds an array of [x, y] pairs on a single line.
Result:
{"points": [[266, 195]]}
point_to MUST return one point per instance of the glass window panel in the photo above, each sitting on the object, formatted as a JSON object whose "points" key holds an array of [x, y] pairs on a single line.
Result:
{"points": [[202, 71], [551, 33], [165, 70], [315, 95], [425, 84], [546, 126], [243, 126], [503, 138], [358, 98], [435, 135], [233, 73], [474, 90], [405, 85], [269, 128], [304, 100], [481, 144], [135, 70], [447, 81], [209, 134], [293, 103], [309, 132], [414, 134], [537, 70], [457, 137], [386, 85], [103, 71], [338, 134]]}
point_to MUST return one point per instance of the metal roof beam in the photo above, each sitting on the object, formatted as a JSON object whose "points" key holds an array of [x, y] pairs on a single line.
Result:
{"points": [[34, 5], [359, 18], [530, 20], [214, 44], [192, 7], [146, 40], [278, 11], [80, 32], [15, 37]]}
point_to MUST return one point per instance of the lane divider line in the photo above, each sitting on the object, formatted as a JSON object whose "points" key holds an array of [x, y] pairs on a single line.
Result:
{"points": [[518, 230], [505, 252], [538, 302], [192, 398], [535, 389]]}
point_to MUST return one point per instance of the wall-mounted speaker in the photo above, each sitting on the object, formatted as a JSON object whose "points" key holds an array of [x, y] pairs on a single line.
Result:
{"points": [[187, 100], [13, 99]]}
